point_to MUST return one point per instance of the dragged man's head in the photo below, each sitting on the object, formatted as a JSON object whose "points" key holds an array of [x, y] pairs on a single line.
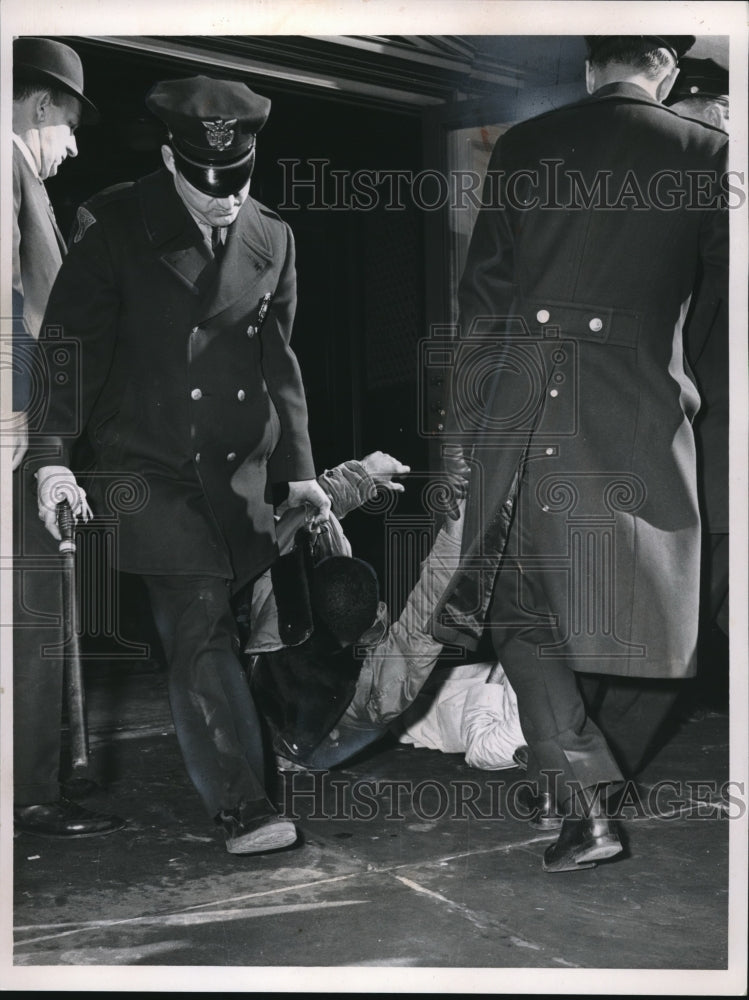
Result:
{"points": [[345, 597]]}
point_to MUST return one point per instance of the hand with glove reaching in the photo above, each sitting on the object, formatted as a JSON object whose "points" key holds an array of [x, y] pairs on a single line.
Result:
{"points": [[56, 483]]}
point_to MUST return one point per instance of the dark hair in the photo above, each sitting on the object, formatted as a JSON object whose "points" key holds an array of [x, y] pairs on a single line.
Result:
{"points": [[345, 595], [26, 83], [639, 53]]}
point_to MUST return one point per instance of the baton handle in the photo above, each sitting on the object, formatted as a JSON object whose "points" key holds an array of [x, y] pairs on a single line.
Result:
{"points": [[66, 527]]}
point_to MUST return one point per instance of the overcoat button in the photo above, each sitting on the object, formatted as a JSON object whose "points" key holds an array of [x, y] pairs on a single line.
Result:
{"points": [[542, 315], [196, 394], [231, 456], [549, 451], [554, 392], [596, 324], [250, 330], [241, 395]]}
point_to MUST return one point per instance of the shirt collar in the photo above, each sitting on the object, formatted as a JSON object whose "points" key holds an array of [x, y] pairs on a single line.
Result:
{"points": [[26, 154]]}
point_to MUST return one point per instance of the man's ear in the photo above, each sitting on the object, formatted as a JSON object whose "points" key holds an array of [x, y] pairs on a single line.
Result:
{"points": [[42, 105], [168, 157], [664, 87], [590, 77]]}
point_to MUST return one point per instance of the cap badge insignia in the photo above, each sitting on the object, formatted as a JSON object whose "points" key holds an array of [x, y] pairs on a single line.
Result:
{"points": [[220, 134]]}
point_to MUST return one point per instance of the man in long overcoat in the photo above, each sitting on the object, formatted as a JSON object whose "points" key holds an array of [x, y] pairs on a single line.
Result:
{"points": [[573, 405], [48, 105], [181, 291]]}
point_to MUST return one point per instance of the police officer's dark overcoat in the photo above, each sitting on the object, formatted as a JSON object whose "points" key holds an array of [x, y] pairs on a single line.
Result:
{"points": [[188, 390], [578, 407]]}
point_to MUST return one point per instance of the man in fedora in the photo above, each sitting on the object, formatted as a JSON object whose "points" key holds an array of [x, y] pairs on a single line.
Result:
{"points": [[582, 508], [181, 290], [48, 105]]}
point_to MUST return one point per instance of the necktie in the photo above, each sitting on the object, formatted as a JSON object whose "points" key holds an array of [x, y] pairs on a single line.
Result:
{"points": [[217, 244]]}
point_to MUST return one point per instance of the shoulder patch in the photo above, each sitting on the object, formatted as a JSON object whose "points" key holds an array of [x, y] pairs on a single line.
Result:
{"points": [[83, 221]]}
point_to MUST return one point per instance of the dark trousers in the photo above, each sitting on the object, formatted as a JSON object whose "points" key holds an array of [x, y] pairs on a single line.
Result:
{"points": [[214, 715], [566, 749], [717, 569], [37, 656], [632, 712]]}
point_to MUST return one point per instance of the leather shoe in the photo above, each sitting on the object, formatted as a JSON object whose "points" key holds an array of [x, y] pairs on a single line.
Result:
{"points": [[63, 819], [255, 827], [581, 843], [538, 809]]}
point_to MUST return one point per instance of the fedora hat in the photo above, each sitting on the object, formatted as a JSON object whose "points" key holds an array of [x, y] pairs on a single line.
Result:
{"points": [[54, 63]]}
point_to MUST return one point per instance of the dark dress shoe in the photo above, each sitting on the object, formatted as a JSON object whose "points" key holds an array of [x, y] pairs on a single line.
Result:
{"points": [[64, 819], [255, 827], [581, 843], [538, 809]]}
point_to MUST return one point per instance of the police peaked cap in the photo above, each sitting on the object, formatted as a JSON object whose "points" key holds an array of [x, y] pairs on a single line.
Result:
{"points": [[56, 64], [677, 45], [699, 78], [212, 126]]}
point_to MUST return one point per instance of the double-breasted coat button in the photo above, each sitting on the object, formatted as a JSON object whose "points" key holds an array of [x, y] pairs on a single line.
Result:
{"points": [[542, 315], [196, 394], [241, 395], [596, 324], [231, 456], [554, 392], [250, 330]]}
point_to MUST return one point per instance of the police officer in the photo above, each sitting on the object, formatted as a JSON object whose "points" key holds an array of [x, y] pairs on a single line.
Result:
{"points": [[585, 510], [181, 290]]}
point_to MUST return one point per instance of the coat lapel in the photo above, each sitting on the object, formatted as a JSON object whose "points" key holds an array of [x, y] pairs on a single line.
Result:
{"points": [[247, 254], [172, 231]]}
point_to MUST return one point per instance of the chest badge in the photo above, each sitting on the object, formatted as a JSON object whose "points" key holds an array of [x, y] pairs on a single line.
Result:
{"points": [[263, 310]]}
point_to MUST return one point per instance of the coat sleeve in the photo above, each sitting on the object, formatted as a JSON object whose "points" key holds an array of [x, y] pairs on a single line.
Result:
{"points": [[292, 458], [396, 670], [714, 238], [348, 485], [81, 319]]}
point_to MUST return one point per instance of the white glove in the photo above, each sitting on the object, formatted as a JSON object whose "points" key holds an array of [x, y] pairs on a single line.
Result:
{"points": [[55, 484], [309, 491]]}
